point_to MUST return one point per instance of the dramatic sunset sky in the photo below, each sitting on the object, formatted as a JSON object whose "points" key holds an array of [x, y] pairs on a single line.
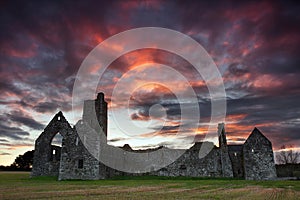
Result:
{"points": [[255, 45]]}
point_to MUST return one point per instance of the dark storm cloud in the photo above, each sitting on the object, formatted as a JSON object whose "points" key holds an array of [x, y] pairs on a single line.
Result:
{"points": [[138, 116], [266, 109], [237, 69], [275, 116], [173, 109], [46, 107], [167, 129], [275, 46], [26, 120], [117, 139], [4, 140], [16, 145], [41, 42], [9, 88], [161, 15], [142, 110], [269, 39], [12, 132], [4, 154]]}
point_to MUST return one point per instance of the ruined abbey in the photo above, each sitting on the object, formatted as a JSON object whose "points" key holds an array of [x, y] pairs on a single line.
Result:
{"points": [[253, 160]]}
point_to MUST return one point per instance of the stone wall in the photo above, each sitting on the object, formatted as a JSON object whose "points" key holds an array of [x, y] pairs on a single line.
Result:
{"points": [[189, 164], [236, 157], [44, 162], [224, 156], [258, 157], [76, 162]]}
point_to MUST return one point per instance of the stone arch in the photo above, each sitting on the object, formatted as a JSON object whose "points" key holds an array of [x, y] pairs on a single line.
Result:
{"points": [[44, 164]]}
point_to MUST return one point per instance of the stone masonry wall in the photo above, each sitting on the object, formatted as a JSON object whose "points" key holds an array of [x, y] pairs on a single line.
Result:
{"points": [[189, 164], [76, 161], [44, 163], [258, 157], [236, 157], [224, 156]]}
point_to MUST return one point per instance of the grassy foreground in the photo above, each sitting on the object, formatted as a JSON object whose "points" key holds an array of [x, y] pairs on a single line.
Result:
{"points": [[18, 185]]}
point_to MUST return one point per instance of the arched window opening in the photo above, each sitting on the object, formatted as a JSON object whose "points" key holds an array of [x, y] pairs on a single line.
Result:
{"points": [[57, 140], [56, 145]]}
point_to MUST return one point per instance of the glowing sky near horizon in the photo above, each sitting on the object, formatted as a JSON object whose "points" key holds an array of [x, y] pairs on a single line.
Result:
{"points": [[255, 45]]}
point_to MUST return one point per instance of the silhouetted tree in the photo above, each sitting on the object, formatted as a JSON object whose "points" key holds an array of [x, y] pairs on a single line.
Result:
{"points": [[23, 162], [287, 155]]}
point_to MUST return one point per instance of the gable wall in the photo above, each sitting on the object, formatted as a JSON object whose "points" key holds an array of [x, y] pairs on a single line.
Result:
{"points": [[258, 158]]}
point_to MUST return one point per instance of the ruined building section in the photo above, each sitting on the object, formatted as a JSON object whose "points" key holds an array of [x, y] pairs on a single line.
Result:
{"points": [[258, 157], [224, 156], [190, 164], [47, 157], [252, 160], [72, 160], [236, 158], [77, 161], [215, 164], [95, 113]]}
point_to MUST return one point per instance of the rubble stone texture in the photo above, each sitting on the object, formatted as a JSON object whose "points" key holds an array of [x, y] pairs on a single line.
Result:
{"points": [[254, 160], [258, 157]]}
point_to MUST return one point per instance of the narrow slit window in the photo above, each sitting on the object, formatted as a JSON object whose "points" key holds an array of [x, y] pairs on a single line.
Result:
{"points": [[58, 118], [183, 167], [80, 163], [53, 151], [77, 141]]}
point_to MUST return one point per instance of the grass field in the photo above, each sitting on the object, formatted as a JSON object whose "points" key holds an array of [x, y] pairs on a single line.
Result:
{"points": [[18, 185]]}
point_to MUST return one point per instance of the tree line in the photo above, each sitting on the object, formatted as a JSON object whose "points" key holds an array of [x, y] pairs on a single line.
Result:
{"points": [[287, 155], [21, 163]]}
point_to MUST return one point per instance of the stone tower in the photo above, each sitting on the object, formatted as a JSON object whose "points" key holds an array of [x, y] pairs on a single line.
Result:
{"points": [[95, 113], [225, 160], [222, 136]]}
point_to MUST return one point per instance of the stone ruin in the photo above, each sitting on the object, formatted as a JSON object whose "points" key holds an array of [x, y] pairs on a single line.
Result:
{"points": [[253, 160]]}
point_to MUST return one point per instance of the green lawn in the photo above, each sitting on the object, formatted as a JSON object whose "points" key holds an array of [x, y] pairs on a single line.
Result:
{"points": [[18, 185]]}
